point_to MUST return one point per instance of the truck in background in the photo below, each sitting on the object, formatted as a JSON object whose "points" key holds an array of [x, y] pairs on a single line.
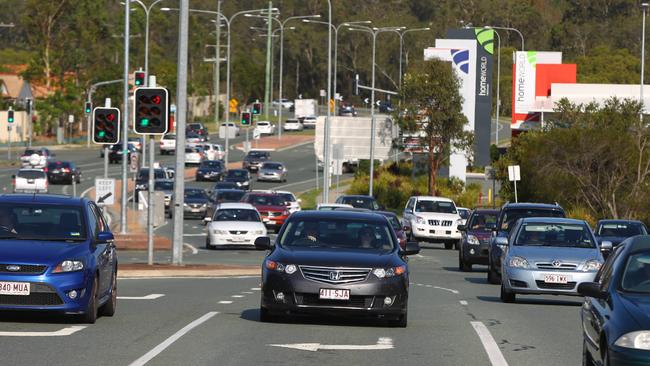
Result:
{"points": [[305, 108], [353, 134]]}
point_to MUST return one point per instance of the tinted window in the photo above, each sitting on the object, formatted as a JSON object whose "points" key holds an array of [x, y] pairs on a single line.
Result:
{"points": [[42, 222], [621, 229], [394, 222], [163, 186], [195, 193], [338, 234], [31, 174], [230, 196], [257, 154], [58, 165], [510, 216], [272, 166], [169, 137], [225, 185], [31, 152], [464, 214], [555, 235], [289, 197], [236, 215], [237, 173], [192, 149], [478, 221], [436, 206], [212, 164], [157, 174], [264, 200], [361, 202], [636, 277]]}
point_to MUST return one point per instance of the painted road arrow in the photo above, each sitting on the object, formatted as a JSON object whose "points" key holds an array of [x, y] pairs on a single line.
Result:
{"points": [[382, 343]]}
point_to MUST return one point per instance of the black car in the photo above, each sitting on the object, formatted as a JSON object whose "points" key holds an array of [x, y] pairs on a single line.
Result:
{"points": [[475, 239], [225, 185], [199, 129], [241, 177], [142, 179], [385, 107], [615, 231], [196, 203], [254, 159], [615, 313], [63, 172], [509, 214], [210, 170], [360, 201], [115, 153], [336, 262], [347, 110], [218, 196]]}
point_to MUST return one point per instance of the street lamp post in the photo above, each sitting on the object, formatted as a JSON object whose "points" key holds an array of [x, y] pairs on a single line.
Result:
{"points": [[401, 47], [510, 29], [228, 23], [374, 32], [282, 25], [644, 8]]}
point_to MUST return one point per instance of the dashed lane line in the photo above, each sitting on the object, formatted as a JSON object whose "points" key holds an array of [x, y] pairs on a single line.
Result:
{"points": [[225, 302], [490, 346], [192, 248], [147, 297], [463, 302], [58, 333], [237, 296]]}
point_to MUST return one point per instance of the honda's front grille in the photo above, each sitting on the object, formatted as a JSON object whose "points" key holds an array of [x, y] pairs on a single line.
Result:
{"points": [[556, 286], [22, 268], [557, 266], [40, 295], [335, 275]]}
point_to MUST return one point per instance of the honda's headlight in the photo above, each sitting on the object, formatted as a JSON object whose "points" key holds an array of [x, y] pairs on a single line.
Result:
{"points": [[518, 262], [591, 265], [204, 205], [389, 272], [69, 266], [636, 340], [473, 240], [279, 267], [419, 220]]}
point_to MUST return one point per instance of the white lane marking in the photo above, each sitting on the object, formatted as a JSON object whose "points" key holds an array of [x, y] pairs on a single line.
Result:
{"points": [[491, 347], [173, 338], [463, 302], [247, 292], [447, 289], [237, 296], [65, 190], [428, 286], [158, 227], [225, 302], [382, 343], [201, 234], [147, 297], [194, 250], [58, 333], [419, 255], [419, 284], [84, 193], [256, 289]]}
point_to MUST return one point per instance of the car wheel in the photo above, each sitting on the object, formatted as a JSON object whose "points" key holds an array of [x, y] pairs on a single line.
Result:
{"points": [[492, 276], [465, 267], [207, 244], [108, 309], [265, 315], [90, 316], [78, 179], [449, 245], [586, 356], [507, 296]]}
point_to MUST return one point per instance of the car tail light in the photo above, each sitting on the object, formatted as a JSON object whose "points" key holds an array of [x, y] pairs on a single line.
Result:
{"points": [[65, 170], [285, 213]]}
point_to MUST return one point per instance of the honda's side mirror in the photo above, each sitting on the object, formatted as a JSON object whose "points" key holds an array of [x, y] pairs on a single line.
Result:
{"points": [[263, 243]]}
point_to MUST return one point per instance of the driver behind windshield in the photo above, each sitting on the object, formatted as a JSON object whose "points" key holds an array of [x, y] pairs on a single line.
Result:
{"points": [[7, 220]]}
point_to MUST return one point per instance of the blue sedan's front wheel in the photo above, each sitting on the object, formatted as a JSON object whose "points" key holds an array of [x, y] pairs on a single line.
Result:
{"points": [[90, 316], [108, 309]]}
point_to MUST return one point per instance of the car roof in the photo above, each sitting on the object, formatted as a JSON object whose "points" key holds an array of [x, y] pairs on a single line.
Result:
{"points": [[338, 214], [333, 205], [485, 211], [31, 170], [236, 205], [386, 213], [272, 162], [229, 190], [525, 205], [433, 198], [49, 199], [237, 170], [356, 196], [552, 220]]}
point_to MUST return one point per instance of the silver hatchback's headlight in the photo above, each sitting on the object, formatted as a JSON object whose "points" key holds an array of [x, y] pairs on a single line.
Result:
{"points": [[518, 262], [591, 265]]}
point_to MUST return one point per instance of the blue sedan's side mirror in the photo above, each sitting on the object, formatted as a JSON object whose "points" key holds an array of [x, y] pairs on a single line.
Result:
{"points": [[105, 237]]}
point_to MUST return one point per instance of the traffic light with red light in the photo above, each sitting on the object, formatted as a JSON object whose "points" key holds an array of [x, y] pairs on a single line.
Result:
{"points": [[257, 108], [246, 118], [89, 108], [151, 111], [139, 78], [106, 125], [10, 116]]}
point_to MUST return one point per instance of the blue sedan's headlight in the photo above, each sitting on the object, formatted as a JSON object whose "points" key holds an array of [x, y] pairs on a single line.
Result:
{"points": [[635, 340], [69, 266]]}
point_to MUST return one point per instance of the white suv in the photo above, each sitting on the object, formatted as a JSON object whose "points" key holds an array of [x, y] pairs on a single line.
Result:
{"points": [[168, 144], [265, 127], [30, 180], [432, 219]]}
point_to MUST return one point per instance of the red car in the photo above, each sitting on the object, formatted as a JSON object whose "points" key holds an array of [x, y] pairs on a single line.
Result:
{"points": [[272, 208], [395, 224]]}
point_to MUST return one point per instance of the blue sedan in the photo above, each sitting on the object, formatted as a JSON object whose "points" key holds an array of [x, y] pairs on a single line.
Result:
{"points": [[57, 255], [616, 312]]}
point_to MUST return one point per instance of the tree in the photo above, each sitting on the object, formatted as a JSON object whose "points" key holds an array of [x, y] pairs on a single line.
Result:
{"points": [[432, 112]]}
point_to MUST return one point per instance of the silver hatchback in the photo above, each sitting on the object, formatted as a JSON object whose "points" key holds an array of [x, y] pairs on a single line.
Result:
{"points": [[272, 171], [549, 256]]}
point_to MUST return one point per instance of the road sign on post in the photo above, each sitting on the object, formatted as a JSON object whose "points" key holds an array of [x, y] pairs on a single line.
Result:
{"points": [[256, 134], [233, 104], [105, 191], [514, 175]]}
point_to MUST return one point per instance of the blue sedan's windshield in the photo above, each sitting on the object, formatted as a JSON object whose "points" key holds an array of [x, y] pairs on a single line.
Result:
{"points": [[42, 222], [341, 234], [636, 277]]}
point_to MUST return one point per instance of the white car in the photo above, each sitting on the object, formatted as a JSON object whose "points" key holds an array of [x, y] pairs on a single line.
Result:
{"points": [[432, 219], [30, 181], [136, 142], [285, 103], [213, 151], [234, 224], [292, 125], [331, 206], [167, 144], [309, 122], [293, 203], [231, 126], [35, 158], [265, 127], [194, 155]]}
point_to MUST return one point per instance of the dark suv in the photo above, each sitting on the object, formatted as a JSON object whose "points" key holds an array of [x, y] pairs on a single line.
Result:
{"points": [[475, 239], [509, 214], [199, 129]]}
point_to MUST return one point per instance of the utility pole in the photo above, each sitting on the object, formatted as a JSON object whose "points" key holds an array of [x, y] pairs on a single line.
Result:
{"points": [[125, 124], [267, 84], [217, 71], [181, 114]]}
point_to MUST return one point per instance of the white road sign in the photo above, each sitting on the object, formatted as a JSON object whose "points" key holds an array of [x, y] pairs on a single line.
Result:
{"points": [[105, 191], [514, 173], [256, 134]]}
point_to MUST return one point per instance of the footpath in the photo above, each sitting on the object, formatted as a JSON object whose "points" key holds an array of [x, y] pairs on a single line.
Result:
{"points": [[136, 238]]}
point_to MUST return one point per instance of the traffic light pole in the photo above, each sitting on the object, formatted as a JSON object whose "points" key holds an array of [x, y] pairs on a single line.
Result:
{"points": [[150, 202], [125, 133], [91, 90]]}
